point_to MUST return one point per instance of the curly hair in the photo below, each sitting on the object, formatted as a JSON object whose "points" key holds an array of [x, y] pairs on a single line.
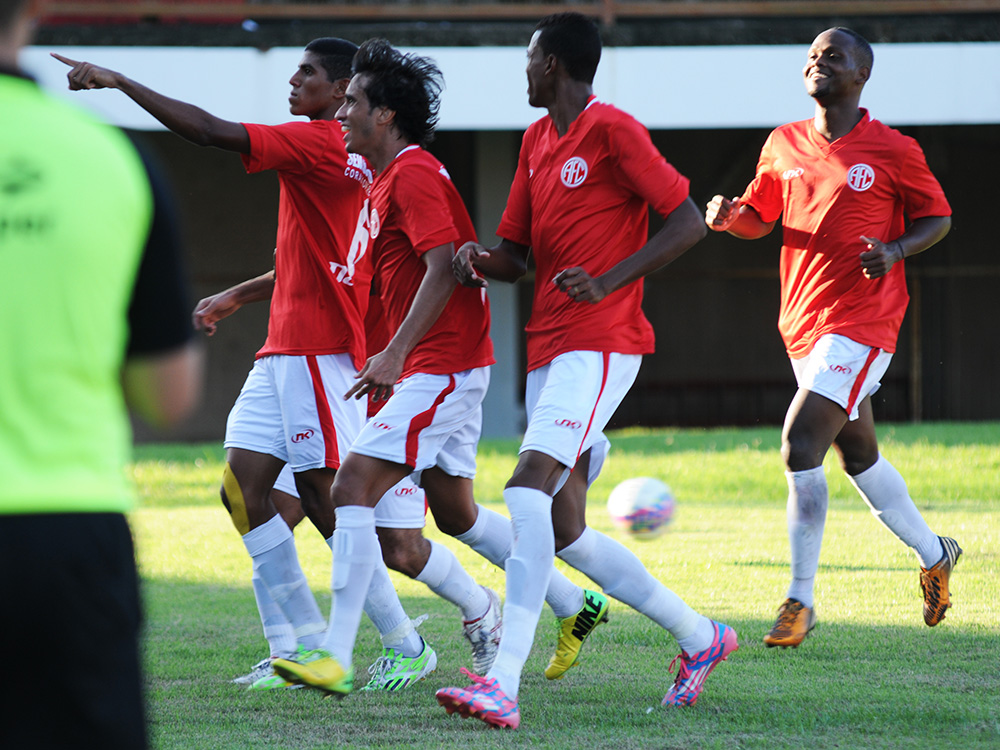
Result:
{"points": [[574, 40], [407, 84]]}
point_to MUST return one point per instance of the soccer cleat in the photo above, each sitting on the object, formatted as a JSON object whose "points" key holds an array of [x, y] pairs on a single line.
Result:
{"points": [[695, 669], [316, 669], [934, 582], [483, 700], [484, 634], [573, 631], [393, 671], [259, 670], [794, 622], [272, 682]]}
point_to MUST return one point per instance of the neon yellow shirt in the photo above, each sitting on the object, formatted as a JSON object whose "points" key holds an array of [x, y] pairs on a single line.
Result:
{"points": [[75, 210]]}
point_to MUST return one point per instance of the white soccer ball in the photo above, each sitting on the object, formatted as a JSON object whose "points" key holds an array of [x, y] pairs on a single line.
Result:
{"points": [[642, 507]]}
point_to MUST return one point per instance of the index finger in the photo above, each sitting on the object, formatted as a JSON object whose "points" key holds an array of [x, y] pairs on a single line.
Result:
{"points": [[870, 240], [66, 60]]}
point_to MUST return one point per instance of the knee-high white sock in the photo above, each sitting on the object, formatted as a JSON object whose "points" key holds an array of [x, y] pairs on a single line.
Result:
{"points": [[884, 489], [807, 503], [276, 563], [491, 536], [384, 609], [445, 576], [622, 575], [278, 631], [356, 553], [528, 570]]}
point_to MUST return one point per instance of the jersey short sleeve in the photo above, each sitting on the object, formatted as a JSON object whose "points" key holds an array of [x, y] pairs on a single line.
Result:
{"points": [[423, 209], [764, 193], [644, 170], [293, 147]]}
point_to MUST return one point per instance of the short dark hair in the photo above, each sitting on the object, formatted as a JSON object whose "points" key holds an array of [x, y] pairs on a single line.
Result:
{"points": [[409, 85], [575, 41], [865, 54], [335, 55]]}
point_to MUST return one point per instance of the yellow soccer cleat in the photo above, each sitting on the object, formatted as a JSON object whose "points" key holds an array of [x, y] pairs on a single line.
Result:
{"points": [[573, 631], [316, 669]]}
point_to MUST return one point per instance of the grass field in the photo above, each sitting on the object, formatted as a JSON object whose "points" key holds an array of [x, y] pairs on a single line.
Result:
{"points": [[871, 675]]}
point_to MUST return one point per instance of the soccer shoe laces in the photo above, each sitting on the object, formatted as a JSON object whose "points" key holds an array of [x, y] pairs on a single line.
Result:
{"points": [[786, 620], [476, 679]]}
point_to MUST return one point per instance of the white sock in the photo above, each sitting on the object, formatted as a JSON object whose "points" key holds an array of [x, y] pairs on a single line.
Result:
{"points": [[884, 489], [445, 576], [356, 553], [528, 570], [806, 509], [622, 575], [278, 631], [276, 563], [491, 536], [386, 612]]}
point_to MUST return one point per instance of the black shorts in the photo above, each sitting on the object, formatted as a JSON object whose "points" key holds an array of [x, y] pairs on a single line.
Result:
{"points": [[70, 619]]}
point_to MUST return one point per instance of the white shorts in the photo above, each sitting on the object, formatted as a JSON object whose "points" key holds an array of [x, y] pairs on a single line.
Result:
{"points": [[402, 507], [571, 400], [842, 370], [430, 420], [293, 408]]}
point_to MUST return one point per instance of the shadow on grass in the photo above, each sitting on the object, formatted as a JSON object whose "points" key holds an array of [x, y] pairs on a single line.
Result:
{"points": [[849, 685]]}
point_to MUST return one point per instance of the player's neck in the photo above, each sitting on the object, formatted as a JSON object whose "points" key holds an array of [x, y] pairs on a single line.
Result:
{"points": [[571, 99], [836, 120], [388, 150]]}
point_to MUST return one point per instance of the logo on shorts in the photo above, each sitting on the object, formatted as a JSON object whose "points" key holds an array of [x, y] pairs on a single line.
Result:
{"points": [[571, 423], [300, 436], [860, 177], [381, 426], [842, 369], [574, 172], [791, 174], [404, 491]]}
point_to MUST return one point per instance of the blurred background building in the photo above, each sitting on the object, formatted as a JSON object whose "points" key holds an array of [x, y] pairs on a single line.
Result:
{"points": [[709, 78]]}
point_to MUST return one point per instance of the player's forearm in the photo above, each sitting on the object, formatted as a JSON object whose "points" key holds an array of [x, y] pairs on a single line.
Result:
{"points": [[428, 303], [683, 229], [749, 225], [186, 120], [923, 233], [162, 389], [507, 261], [257, 289]]}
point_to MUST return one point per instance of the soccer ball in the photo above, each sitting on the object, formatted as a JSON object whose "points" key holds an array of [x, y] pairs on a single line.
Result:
{"points": [[641, 507]]}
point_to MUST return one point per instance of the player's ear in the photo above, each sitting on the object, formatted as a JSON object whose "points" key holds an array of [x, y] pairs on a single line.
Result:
{"points": [[385, 116], [864, 73], [340, 87]]}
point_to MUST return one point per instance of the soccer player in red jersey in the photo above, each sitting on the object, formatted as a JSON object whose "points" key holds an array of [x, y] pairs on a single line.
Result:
{"points": [[290, 410], [435, 368], [855, 198], [585, 176]]}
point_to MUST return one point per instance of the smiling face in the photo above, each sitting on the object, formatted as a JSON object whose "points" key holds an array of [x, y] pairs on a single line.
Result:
{"points": [[357, 119], [313, 94], [833, 67]]}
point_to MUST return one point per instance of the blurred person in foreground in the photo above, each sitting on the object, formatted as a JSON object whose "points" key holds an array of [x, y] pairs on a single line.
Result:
{"points": [[93, 322]]}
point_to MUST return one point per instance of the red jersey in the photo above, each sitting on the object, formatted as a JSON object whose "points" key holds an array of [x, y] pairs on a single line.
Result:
{"points": [[581, 200], [831, 194], [322, 268], [415, 208]]}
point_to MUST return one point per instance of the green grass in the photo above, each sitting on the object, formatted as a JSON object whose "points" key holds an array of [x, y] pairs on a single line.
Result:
{"points": [[870, 676]]}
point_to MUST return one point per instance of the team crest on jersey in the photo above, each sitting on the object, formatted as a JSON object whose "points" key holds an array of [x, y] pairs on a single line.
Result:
{"points": [[573, 172], [860, 177], [374, 223]]}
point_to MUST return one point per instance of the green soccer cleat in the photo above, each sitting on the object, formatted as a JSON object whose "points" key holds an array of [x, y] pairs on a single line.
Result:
{"points": [[317, 669], [393, 671], [573, 631]]}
